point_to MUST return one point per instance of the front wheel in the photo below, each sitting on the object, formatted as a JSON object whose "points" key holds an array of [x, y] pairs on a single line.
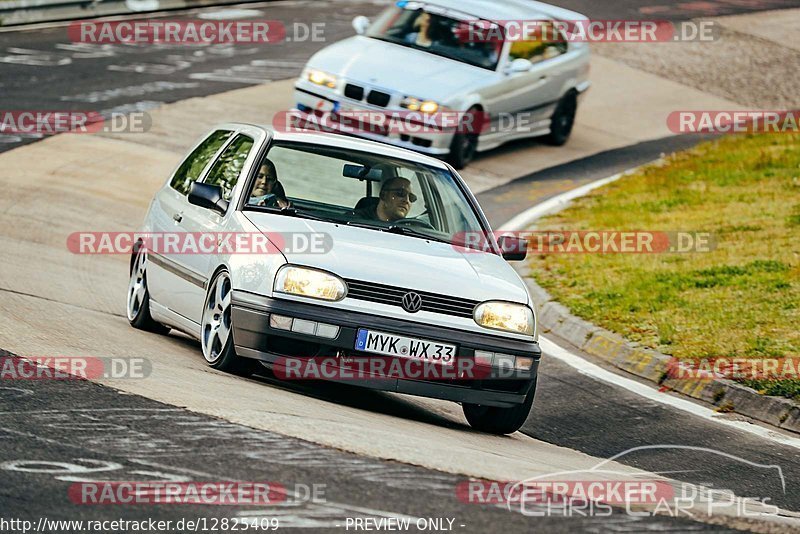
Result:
{"points": [[217, 329], [496, 420], [465, 142]]}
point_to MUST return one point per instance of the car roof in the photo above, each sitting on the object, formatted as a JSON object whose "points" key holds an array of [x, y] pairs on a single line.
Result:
{"points": [[507, 9], [492, 9], [349, 143]]}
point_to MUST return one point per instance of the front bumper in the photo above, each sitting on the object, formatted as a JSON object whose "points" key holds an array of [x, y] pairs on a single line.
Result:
{"points": [[255, 338], [311, 103]]}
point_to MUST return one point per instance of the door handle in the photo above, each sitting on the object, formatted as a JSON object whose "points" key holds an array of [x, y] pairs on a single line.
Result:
{"points": [[177, 217]]}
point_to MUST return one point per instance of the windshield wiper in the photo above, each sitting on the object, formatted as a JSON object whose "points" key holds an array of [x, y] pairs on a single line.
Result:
{"points": [[291, 211], [412, 232]]}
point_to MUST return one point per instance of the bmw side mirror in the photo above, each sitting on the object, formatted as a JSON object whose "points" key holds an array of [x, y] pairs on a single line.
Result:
{"points": [[208, 196], [360, 24], [519, 65], [513, 248]]}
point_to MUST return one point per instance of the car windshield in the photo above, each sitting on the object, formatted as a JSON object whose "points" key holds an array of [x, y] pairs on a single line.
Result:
{"points": [[437, 31], [365, 190]]}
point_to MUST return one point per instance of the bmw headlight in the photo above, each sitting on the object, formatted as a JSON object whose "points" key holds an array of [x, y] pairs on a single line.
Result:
{"points": [[311, 283], [415, 104], [321, 78], [505, 316]]}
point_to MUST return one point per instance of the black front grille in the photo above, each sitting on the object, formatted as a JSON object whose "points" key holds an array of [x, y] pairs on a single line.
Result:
{"points": [[393, 296], [354, 91], [378, 98]]}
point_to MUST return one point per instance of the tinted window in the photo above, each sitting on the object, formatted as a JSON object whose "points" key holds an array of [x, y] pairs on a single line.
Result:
{"points": [[190, 169], [226, 170], [416, 25]]}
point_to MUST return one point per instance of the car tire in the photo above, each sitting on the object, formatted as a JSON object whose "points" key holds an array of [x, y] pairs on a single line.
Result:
{"points": [[216, 335], [464, 146], [563, 120], [138, 299], [495, 420]]}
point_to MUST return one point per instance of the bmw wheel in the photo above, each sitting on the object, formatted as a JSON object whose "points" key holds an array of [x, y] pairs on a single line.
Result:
{"points": [[563, 120], [217, 329], [138, 301], [464, 145]]}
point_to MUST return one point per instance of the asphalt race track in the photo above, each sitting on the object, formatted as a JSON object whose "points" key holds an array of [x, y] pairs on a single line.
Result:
{"points": [[204, 425]]}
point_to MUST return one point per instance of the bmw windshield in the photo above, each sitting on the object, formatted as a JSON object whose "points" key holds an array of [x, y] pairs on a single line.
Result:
{"points": [[363, 190], [437, 31]]}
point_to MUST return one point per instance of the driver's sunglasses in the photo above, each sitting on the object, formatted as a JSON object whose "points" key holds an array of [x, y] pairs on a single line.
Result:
{"points": [[402, 193]]}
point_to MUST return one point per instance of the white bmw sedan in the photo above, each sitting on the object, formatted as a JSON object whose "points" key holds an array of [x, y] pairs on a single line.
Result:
{"points": [[405, 270], [507, 62]]}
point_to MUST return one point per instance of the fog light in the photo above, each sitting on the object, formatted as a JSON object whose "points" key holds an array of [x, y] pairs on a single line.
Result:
{"points": [[329, 331], [280, 322], [524, 363], [483, 358], [301, 326]]}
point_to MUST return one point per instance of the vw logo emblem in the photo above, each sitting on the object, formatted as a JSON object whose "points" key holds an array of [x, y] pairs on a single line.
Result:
{"points": [[412, 302]]}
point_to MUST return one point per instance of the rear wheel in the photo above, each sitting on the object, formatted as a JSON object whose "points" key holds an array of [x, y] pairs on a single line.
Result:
{"points": [[217, 329], [563, 120], [138, 301], [496, 420]]}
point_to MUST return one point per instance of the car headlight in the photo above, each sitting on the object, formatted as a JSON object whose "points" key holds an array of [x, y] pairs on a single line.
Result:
{"points": [[310, 283], [321, 78], [415, 104], [505, 316]]}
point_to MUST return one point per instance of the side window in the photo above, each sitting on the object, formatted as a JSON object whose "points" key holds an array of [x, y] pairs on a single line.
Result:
{"points": [[190, 169], [539, 43], [226, 170]]}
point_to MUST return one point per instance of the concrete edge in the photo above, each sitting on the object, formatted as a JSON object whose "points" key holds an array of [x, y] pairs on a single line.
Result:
{"points": [[726, 395]]}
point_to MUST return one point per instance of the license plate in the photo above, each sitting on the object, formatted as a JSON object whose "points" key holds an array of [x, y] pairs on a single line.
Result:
{"points": [[405, 347]]}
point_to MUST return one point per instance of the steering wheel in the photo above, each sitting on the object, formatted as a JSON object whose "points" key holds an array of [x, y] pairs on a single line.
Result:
{"points": [[271, 201], [414, 222]]}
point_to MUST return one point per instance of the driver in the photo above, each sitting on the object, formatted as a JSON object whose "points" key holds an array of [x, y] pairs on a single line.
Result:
{"points": [[267, 189], [394, 202]]}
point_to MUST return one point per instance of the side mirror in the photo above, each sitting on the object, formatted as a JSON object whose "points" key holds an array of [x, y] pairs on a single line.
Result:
{"points": [[513, 248], [208, 196], [360, 24], [519, 65]]}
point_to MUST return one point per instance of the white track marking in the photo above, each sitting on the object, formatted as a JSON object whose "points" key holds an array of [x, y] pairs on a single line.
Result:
{"points": [[583, 366]]}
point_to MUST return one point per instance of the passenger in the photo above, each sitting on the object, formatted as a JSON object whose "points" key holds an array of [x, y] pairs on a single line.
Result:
{"points": [[394, 202], [267, 190], [423, 36]]}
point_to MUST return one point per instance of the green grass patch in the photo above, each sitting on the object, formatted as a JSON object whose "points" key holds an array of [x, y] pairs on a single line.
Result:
{"points": [[742, 299]]}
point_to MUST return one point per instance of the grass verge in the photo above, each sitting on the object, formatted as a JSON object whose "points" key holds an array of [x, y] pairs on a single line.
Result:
{"points": [[740, 300]]}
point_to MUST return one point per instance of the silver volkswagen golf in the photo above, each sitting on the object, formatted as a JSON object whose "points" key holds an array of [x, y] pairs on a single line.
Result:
{"points": [[399, 296], [452, 56]]}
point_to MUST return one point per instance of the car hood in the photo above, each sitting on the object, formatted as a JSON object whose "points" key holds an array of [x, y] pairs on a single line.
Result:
{"points": [[397, 260], [398, 68]]}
